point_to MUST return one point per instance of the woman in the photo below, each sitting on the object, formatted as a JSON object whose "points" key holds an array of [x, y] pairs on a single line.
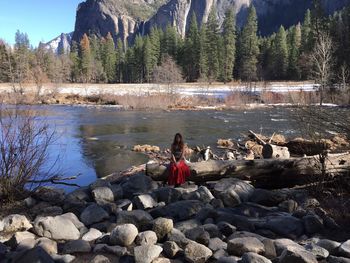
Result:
{"points": [[178, 170]]}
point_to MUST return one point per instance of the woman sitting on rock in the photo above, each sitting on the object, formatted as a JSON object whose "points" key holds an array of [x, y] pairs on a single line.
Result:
{"points": [[178, 170]]}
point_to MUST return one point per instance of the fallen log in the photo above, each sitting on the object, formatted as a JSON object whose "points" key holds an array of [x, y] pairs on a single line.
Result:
{"points": [[263, 172]]}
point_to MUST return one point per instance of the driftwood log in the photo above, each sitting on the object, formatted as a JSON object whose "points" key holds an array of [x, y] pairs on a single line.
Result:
{"points": [[263, 172]]}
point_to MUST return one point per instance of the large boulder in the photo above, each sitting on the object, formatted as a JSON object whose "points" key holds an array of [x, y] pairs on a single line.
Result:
{"points": [[19, 237], [267, 197], [167, 194], [93, 214], [313, 224], [202, 194], [251, 257], [178, 237], [91, 235], [283, 243], [233, 191], [103, 195], [344, 249], [141, 219], [295, 255], [319, 252], [239, 246], [77, 200], [57, 228], [162, 226], [123, 235], [216, 244], [14, 223], [144, 201], [330, 245], [284, 225], [146, 253], [199, 235], [197, 253], [179, 211], [146, 238], [50, 194], [137, 184]]}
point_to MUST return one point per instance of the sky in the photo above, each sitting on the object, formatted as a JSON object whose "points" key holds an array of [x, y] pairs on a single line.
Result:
{"points": [[42, 20]]}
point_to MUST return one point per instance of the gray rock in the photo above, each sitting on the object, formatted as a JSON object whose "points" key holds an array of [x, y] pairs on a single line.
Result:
{"points": [[102, 195], [74, 219], [57, 228], [213, 230], [330, 245], [284, 243], [116, 250], [178, 237], [91, 235], [199, 235], [230, 259], [233, 191], [117, 191], [77, 200], [146, 238], [239, 246], [99, 183], [146, 253], [144, 201], [319, 252], [251, 257], [100, 259], [216, 244], [219, 254], [48, 245], [37, 255], [226, 228], [344, 249], [51, 211], [197, 253], [123, 235], [137, 184], [14, 223], [295, 255], [217, 203], [167, 194], [288, 206], [313, 224], [267, 197], [50, 194], [125, 204], [18, 237], [241, 234], [93, 214], [29, 202], [26, 244], [162, 226], [171, 249], [179, 211], [332, 259], [141, 219], [183, 226], [63, 258], [284, 225], [76, 246], [270, 249], [202, 194]]}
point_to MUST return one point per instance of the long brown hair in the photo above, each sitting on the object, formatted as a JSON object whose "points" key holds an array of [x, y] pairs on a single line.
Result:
{"points": [[181, 143]]}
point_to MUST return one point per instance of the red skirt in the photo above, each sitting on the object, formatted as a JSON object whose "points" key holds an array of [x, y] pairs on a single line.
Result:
{"points": [[178, 173]]}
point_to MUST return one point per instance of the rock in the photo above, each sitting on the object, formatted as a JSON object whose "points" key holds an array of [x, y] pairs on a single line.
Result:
{"points": [[270, 249], [162, 260], [77, 200], [266, 197], [178, 237], [51, 211], [18, 237], [74, 219], [49, 194], [239, 246], [242, 234], [123, 235], [284, 225], [102, 195], [93, 214], [100, 259], [146, 253], [226, 228], [319, 252], [202, 194], [63, 258], [57, 228], [284, 243], [330, 245], [144, 201], [3, 250], [233, 191], [213, 230], [219, 254], [137, 184], [179, 211], [206, 213], [76, 246], [197, 253], [29, 202], [146, 238], [199, 235], [251, 257], [183, 226], [227, 260], [116, 250], [162, 226], [171, 249], [295, 255], [48, 245], [141, 219], [216, 244], [37, 255], [288, 206], [332, 259], [26, 244], [117, 191], [167, 194], [14, 223], [313, 224], [91, 235], [344, 249], [99, 183], [125, 204]]}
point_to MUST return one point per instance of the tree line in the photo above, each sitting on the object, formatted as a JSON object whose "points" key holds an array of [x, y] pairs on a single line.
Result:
{"points": [[209, 52]]}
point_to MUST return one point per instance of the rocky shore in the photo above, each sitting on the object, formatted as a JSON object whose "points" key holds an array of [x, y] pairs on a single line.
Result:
{"points": [[136, 219]]}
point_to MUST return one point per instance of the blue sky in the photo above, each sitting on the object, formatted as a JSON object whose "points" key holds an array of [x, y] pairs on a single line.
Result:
{"points": [[43, 20]]}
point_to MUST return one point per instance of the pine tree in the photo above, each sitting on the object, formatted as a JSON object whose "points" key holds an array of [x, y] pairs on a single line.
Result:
{"points": [[170, 41], [229, 33], [85, 58], [148, 59], [4, 63], [191, 56], [249, 47], [138, 70], [109, 58], [281, 53], [294, 52], [74, 57], [306, 33], [155, 37], [203, 60], [212, 46], [120, 61]]}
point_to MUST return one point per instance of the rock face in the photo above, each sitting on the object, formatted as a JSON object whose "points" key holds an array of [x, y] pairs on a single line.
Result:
{"points": [[124, 19]]}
